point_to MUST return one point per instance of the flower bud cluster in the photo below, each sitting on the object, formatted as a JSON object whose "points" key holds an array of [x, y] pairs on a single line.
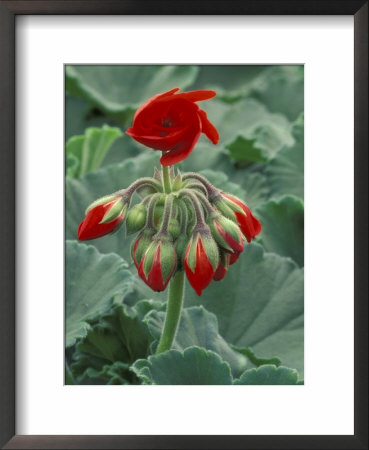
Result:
{"points": [[196, 228]]}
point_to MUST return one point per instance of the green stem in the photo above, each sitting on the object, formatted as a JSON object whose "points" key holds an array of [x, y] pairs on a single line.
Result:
{"points": [[166, 179], [174, 307]]}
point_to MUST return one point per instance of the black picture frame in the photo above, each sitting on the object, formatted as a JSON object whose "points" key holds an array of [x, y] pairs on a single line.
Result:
{"points": [[8, 12]]}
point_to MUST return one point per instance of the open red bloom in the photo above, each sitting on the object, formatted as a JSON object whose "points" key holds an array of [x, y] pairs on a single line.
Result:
{"points": [[102, 219], [250, 226], [173, 123]]}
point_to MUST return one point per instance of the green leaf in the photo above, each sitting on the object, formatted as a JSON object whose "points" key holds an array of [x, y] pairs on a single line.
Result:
{"points": [[229, 81], [69, 379], [91, 281], [281, 89], [200, 328], [117, 336], [72, 165], [143, 307], [118, 90], [268, 375], [260, 304], [285, 173], [79, 193], [79, 115], [90, 149], [117, 373], [194, 366], [283, 227], [249, 130], [255, 186], [255, 360]]}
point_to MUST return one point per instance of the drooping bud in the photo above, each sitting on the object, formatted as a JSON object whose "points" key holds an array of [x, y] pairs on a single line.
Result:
{"points": [[201, 259], [222, 266], [158, 212], [233, 208], [180, 246], [103, 216], [136, 219], [233, 257], [226, 233], [141, 244], [173, 228], [158, 264]]}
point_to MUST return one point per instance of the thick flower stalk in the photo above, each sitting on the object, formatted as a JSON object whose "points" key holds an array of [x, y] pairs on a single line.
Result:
{"points": [[185, 226]]}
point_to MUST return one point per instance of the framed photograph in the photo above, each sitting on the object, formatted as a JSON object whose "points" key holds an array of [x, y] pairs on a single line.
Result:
{"points": [[184, 243]]}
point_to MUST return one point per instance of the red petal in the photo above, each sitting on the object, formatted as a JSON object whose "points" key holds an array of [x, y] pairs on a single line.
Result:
{"points": [[155, 276], [184, 147], [233, 257], [163, 143], [236, 246], [153, 99], [208, 128], [203, 274], [249, 225], [87, 230], [197, 96], [181, 150], [91, 228], [220, 272]]}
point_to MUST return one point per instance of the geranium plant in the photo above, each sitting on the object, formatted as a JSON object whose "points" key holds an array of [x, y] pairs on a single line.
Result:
{"points": [[186, 225], [187, 265]]}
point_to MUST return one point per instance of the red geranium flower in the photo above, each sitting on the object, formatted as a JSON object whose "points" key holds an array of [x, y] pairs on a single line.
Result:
{"points": [[173, 123]]}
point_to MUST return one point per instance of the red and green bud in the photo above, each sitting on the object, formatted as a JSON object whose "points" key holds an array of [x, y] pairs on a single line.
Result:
{"points": [[226, 233], [103, 216], [222, 266], [136, 219], [233, 208], [233, 257], [158, 264], [141, 244], [201, 259]]}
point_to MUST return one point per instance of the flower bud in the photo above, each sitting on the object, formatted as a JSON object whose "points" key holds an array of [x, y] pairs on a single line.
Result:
{"points": [[180, 247], [226, 233], [141, 244], [173, 228], [158, 264], [233, 208], [136, 219], [103, 216], [233, 257], [222, 266], [158, 213], [201, 259]]}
